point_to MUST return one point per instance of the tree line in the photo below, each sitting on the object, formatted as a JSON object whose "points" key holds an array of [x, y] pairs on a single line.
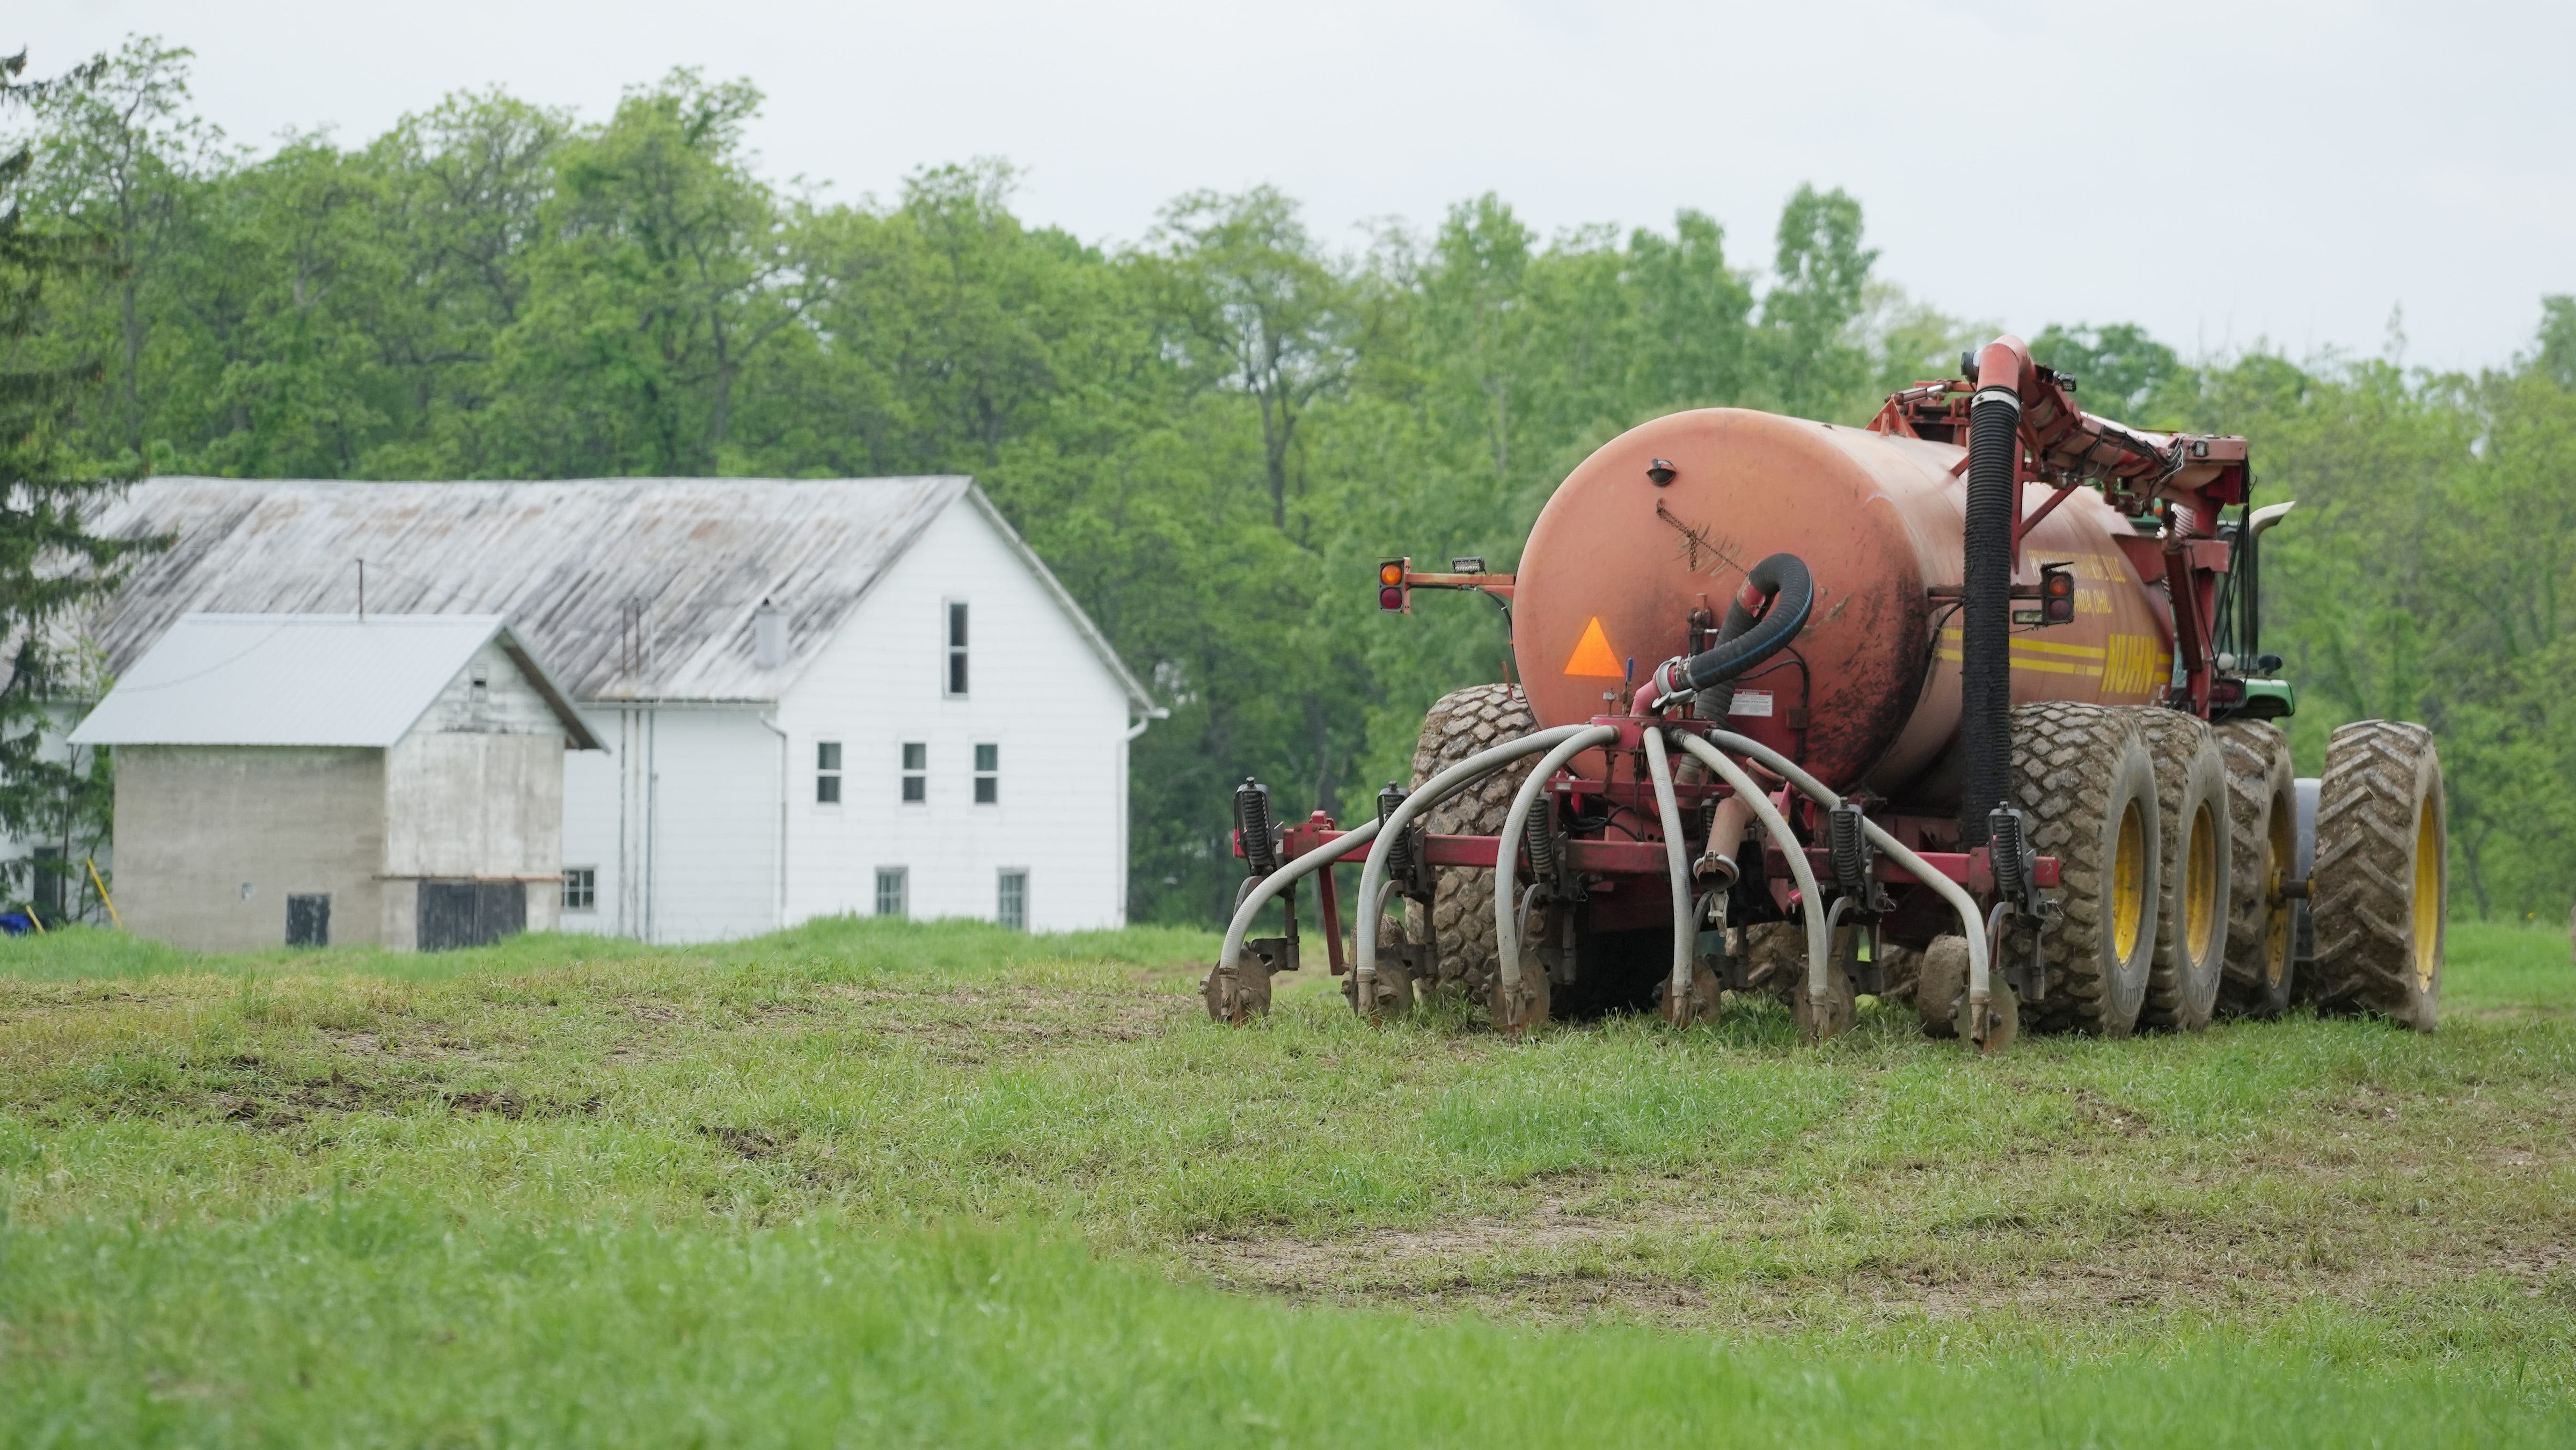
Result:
{"points": [[1210, 433]]}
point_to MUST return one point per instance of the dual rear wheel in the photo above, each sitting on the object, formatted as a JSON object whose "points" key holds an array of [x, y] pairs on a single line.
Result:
{"points": [[2178, 844]]}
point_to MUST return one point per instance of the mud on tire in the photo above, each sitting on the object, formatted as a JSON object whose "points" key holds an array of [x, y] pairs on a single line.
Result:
{"points": [[2192, 826], [1461, 723], [2082, 775], [2263, 824], [2380, 880]]}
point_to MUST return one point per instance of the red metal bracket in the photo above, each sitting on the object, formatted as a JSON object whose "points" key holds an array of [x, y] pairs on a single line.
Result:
{"points": [[1498, 585], [1968, 868]]}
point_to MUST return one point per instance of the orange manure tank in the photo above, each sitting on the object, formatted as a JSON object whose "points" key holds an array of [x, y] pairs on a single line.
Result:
{"points": [[1867, 696]]}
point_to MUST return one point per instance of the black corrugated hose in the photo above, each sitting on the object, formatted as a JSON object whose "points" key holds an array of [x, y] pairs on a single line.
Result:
{"points": [[1985, 625], [1788, 594]]}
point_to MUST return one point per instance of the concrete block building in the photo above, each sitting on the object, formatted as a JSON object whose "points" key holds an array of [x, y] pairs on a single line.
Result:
{"points": [[311, 779], [813, 697]]}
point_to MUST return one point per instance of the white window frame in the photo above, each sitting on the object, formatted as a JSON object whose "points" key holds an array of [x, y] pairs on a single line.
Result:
{"points": [[952, 651], [837, 773], [901, 876], [909, 773], [992, 777], [590, 908], [1001, 888]]}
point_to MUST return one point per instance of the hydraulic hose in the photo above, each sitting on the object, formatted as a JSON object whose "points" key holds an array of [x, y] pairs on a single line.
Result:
{"points": [[1507, 927], [1810, 900], [1435, 790], [1980, 984], [1985, 624], [1781, 594], [1668, 811], [1262, 888]]}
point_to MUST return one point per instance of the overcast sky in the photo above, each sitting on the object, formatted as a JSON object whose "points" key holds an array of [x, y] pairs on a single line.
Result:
{"points": [[2224, 171]]}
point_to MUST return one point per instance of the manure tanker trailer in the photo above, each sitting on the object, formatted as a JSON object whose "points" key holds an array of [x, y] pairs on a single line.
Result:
{"points": [[1969, 704]]}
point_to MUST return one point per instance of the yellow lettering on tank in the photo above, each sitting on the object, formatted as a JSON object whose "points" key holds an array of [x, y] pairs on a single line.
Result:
{"points": [[2137, 664]]}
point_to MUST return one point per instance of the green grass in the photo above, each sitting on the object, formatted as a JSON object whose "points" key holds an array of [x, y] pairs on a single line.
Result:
{"points": [[850, 942], [945, 1184], [359, 1321], [2509, 968]]}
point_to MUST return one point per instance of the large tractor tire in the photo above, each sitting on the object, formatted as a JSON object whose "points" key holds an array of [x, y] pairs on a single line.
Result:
{"points": [[2083, 777], [2192, 828], [2381, 879], [2263, 837], [1462, 723]]}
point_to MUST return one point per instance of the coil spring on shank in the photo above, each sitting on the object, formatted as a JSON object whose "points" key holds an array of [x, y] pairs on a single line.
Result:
{"points": [[1542, 842], [1399, 856], [1252, 825], [1849, 849]]}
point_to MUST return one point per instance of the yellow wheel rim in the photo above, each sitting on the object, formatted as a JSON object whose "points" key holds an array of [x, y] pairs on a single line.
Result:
{"points": [[2428, 894], [2276, 924], [2129, 883], [2200, 890]]}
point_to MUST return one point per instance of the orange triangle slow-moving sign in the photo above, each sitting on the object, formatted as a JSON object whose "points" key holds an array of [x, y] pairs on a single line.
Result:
{"points": [[1593, 655]]}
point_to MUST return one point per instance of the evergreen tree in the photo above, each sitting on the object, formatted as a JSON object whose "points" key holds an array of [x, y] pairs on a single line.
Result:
{"points": [[53, 798]]}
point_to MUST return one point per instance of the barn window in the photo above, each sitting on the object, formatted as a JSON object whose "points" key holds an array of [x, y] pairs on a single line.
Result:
{"points": [[956, 646], [1011, 908], [581, 888], [892, 882], [916, 759], [827, 772], [478, 685], [988, 780], [308, 920]]}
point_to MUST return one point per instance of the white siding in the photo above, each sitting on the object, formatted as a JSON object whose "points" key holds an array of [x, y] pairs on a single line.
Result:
{"points": [[592, 820], [1037, 690], [713, 855], [679, 816]]}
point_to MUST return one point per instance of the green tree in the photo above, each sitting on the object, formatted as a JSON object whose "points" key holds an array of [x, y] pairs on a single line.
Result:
{"points": [[124, 161], [664, 273], [1256, 304], [1819, 284], [2118, 369], [50, 564]]}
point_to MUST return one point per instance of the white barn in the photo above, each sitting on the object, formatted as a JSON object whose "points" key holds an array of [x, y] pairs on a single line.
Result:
{"points": [[814, 697]]}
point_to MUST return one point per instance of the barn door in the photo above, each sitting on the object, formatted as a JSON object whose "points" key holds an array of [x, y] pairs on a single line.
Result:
{"points": [[456, 914]]}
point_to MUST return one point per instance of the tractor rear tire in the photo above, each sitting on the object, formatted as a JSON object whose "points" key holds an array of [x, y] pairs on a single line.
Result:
{"points": [[2381, 877], [1460, 724], [2192, 825], [2263, 832], [2083, 777]]}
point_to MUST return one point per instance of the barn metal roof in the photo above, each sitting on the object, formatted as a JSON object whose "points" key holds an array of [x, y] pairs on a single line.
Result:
{"points": [[301, 679], [629, 589]]}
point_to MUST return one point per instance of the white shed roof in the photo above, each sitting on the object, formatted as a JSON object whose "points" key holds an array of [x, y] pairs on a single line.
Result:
{"points": [[631, 589], [301, 679]]}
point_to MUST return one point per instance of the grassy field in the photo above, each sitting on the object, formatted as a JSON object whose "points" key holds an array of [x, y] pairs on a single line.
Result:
{"points": [[941, 1184]]}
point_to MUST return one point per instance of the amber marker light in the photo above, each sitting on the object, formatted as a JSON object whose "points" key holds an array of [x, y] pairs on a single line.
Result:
{"points": [[2056, 596]]}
